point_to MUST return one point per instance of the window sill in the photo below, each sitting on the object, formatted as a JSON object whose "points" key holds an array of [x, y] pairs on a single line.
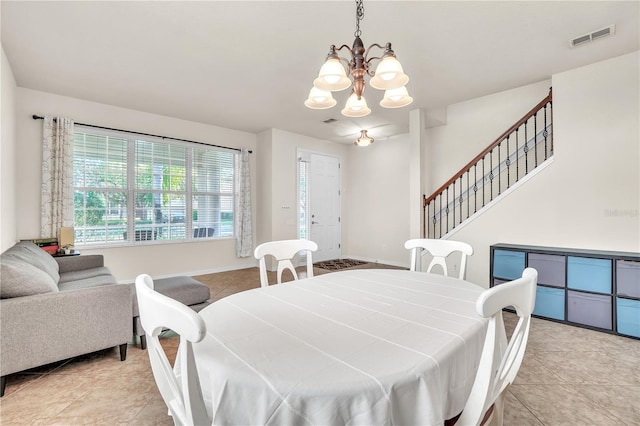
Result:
{"points": [[148, 243]]}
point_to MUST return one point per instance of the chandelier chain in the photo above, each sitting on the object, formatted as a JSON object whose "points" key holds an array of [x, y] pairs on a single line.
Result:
{"points": [[359, 17]]}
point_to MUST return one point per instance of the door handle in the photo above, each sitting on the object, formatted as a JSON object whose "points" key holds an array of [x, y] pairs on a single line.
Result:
{"points": [[313, 222]]}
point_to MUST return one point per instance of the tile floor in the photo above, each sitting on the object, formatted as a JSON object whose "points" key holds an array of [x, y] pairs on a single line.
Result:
{"points": [[570, 376]]}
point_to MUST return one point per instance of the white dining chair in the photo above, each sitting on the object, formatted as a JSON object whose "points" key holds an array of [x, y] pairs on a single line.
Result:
{"points": [[283, 251], [439, 249], [181, 393], [499, 366]]}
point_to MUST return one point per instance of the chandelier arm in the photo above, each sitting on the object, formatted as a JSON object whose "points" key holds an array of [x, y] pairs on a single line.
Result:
{"points": [[347, 62], [366, 53], [345, 46], [368, 60]]}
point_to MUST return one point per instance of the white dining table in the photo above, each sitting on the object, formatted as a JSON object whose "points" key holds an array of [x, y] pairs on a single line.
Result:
{"points": [[357, 347]]}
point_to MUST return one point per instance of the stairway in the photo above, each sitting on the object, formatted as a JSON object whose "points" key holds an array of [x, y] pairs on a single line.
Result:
{"points": [[516, 155]]}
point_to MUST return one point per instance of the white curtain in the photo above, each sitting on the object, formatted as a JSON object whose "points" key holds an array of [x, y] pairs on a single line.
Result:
{"points": [[243, 231], [57, 176]]}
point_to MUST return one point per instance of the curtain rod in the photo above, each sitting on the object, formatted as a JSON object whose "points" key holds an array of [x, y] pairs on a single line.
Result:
{"points": [[37, 117]]}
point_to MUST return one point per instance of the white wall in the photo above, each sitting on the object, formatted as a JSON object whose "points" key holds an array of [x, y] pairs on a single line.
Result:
{"points": [[8, 216], [125, 262], [589, 197], [377, 199]]}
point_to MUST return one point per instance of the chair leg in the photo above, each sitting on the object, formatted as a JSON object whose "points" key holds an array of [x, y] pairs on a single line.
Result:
{"points": [[123, 352], [3, 384], [143, 342]]}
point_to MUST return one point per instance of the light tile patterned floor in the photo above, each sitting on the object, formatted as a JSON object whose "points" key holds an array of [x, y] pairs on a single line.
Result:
{"points": [[570, 376]]}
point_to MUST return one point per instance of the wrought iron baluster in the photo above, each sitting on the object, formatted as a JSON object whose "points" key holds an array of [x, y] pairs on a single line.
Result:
{"points": [[517, 157], [535, 137], [483, 180], [526, 149], [545, 133], [475, 187], [434, 219], [508, 163], [499, 163], [453, 203], [440, 196], [551, 125], [461, 200], [468, 196], [491, 175], [446, 210]]}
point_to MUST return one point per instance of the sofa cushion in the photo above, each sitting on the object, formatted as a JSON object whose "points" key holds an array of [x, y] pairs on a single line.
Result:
{"points": [[184, 289], [95, 281], [34, 255], [23, 279], [82, 274]]}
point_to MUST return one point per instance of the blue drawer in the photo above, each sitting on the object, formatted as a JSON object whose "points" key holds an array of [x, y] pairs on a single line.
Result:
{"points": [[508, 264], [628, 278], [589, 309], [628, 316], [549, 303], [589, 274], [550, 267]]}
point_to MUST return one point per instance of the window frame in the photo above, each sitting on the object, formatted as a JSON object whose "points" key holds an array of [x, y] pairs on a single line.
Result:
{"points": [[131, 191]]}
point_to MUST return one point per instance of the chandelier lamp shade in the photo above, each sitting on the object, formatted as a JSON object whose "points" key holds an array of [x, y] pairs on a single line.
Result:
{"points": [[338, 73], [364, 139]]}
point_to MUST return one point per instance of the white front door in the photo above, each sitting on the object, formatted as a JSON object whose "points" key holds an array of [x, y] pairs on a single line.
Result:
{"points": [[324, 205]]}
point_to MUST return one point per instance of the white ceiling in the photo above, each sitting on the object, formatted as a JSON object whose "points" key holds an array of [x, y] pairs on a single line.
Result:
{"points": [[250, 65]]}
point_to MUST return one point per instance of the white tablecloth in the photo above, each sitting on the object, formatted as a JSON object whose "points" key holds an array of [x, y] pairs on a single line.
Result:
{"points": [[366, 347]]}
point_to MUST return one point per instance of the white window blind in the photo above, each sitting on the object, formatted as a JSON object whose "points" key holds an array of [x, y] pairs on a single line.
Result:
{"points": [[100, 187], [133, 190]]}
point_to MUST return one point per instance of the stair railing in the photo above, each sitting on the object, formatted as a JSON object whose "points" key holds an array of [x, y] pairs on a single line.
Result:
{"points": [[513, 155]]}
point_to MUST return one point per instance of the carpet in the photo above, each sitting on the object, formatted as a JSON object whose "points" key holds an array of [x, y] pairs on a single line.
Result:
{"points": [[334, 265]]}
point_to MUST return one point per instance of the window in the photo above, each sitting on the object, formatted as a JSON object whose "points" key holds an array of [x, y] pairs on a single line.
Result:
{"points": [[134, 189]]}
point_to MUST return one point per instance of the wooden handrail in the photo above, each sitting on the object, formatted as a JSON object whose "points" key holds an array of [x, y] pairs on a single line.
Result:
{"points": [[488, 149]]}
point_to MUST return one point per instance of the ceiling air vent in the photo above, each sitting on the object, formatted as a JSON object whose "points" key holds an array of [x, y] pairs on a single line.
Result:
{"points": [[594, 35]]}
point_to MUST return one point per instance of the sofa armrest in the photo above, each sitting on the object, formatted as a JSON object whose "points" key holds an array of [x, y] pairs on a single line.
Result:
{"points": [[77, 263], [45, 328]]}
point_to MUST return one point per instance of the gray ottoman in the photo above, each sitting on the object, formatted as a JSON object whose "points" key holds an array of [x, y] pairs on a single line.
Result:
{"points": [[184, 289]]}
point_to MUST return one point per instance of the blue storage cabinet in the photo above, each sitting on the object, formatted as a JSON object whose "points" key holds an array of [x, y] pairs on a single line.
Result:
{"points": [[594, 289], [589, 274], [550, 302], [628, 316], [508, 264]]}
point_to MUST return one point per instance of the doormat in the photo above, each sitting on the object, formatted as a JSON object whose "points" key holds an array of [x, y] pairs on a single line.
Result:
{"points": [[334, 265]]}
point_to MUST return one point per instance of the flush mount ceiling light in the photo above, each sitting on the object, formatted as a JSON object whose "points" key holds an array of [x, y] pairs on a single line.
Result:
{"points": [[388, 76], [364, 139]]}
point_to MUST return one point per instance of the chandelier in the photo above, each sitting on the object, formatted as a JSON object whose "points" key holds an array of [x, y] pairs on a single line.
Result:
{"points": [[388, 76], [364, 139]]}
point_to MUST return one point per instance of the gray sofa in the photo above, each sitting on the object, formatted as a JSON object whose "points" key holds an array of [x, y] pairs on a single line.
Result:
{"points": [[52, 309]]}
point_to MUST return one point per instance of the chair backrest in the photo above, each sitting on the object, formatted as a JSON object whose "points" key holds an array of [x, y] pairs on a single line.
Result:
{"points": [[499, 366], [181, 393], [439, 249], [283, 251]]}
